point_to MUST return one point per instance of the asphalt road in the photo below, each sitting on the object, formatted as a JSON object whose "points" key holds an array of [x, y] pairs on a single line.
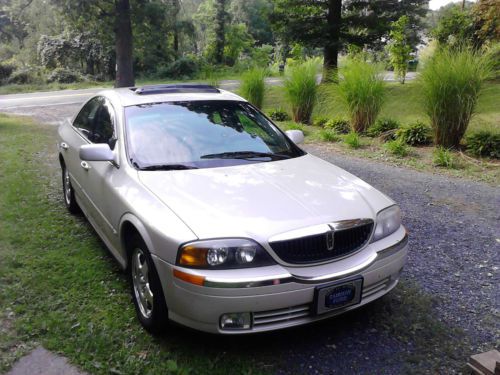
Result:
{"points": [[59, 101]]}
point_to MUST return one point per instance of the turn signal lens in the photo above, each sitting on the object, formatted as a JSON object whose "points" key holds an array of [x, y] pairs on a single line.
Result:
{"points": [[193, 279], [193, 256]]}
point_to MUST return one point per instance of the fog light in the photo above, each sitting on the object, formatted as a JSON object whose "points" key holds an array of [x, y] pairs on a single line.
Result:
{"points": [[236, 321]]}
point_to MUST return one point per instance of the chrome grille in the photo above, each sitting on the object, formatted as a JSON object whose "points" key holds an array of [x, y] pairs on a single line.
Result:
{"points": [[312, 249], [280, 316]]}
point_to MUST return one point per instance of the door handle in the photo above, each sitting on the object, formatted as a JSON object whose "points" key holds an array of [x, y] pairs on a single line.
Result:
{"points": [[85, 165], [64, 146]]}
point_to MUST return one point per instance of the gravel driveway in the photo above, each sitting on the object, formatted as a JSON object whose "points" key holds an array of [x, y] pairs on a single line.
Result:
{"points": [[449, 295]]}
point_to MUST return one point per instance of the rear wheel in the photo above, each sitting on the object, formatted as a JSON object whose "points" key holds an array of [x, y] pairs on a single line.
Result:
{"points": [[146, 288], [69, 194]]}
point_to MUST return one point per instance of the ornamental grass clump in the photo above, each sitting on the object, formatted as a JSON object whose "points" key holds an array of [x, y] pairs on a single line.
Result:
{"points": [[253, 86], [362, 88], [301, 90], [451, 84]]}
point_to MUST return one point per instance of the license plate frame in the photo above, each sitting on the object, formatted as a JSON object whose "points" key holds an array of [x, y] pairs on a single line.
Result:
{"points": [[325, 301]]}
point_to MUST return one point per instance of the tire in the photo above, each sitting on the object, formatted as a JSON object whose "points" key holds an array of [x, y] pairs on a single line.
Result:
{"points": [[146, 289], [68, 192]]}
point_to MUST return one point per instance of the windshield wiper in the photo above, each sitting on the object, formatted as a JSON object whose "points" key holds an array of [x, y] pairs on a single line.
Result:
{"points": [[167, 167], [244, 155]]}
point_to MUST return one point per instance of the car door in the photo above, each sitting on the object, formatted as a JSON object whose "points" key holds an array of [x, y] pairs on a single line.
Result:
{"points": [[74, 136], [99, 176]]}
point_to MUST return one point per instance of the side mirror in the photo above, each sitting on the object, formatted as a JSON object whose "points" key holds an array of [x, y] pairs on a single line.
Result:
{"points": [[296, 136], [96, 152]]}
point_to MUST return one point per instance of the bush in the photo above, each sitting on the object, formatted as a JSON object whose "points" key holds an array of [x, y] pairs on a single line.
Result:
{"points": [[301, 90], [452, 81], [362, 88], [279, 114], [320, 121], [383, 126], [352, 140], [26, 76], [397, 147], [295, 126], [6, 70], [183, 68], [61, 75], [484, 143], [328, 135], [339, 125], [253, 87], [415, 134], [442, 157]]}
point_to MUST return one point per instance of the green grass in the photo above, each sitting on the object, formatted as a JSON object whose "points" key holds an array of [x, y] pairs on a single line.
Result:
{"points": [[362, 89], [60, 288], [451, 83], [252, 86], [352, 140], [301, 90]]}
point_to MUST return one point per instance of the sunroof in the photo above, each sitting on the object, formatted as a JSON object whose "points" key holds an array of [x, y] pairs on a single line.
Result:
{"points": [[175, 88]]}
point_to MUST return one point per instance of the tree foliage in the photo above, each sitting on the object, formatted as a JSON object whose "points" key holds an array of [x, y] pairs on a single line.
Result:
{"points": [[399, 47]]}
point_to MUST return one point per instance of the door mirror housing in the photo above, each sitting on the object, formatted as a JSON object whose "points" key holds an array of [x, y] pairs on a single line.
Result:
{"points": [[296, 136], [97, 152]]}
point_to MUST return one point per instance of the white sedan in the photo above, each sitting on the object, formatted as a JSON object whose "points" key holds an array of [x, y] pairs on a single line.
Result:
{"points": [[221, 221]]}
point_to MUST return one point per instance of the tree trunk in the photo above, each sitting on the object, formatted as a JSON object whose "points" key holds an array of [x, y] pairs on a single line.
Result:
{"points": [[176, 10], [331, 50], [123, 45], [220, 39]]}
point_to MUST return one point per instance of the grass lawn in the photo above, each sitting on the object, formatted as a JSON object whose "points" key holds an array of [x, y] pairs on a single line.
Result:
{"points": [[60, 288], [403, 104]]}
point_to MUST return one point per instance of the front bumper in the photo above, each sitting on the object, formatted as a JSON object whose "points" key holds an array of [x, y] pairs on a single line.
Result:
{"points": [[278, 297]]}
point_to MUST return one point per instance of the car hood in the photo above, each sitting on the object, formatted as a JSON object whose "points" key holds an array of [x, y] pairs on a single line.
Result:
{"points": [[261, 200]]}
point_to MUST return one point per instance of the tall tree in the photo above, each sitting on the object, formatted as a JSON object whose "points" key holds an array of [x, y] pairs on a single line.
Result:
{"points": [[106, 16], [220, 32], [333, 24], [399, 47]]}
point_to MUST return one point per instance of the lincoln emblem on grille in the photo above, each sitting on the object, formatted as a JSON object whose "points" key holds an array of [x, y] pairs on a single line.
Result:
{"points": [[330, 240]]}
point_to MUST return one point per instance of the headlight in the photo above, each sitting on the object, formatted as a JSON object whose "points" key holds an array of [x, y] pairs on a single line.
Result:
{"points": [[388, 221], [223, 254]]}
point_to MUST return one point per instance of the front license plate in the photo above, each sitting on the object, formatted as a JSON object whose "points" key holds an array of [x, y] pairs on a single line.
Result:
{"points": [[338, 295]]}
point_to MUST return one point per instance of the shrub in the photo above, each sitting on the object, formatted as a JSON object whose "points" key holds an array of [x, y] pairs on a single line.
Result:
{"points": [[484, 143], [61, 75], [339, 125], [328, 135], [253, 87], [295, 126], [26, 76], [182, 68], [6, 70], [352, 140], [442, 157], [397, 147], [414, 134], [301, 90], [362, 88], [320, 121], [451, 82], [279, 114], [383, 126]]}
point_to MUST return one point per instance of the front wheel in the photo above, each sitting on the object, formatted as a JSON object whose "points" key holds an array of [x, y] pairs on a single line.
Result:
{"points": [[147, 292], [68, 192]]}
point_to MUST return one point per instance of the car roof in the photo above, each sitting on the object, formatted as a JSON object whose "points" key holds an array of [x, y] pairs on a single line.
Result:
{"points": [[136, 95]]}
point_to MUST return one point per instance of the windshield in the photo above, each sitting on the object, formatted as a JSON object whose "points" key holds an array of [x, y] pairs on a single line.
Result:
{"points": [[202, 134]]}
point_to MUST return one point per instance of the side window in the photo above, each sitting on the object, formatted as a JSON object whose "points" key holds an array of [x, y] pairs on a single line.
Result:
{"points": [[84, 122], [95, 122], [104, 130]]}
